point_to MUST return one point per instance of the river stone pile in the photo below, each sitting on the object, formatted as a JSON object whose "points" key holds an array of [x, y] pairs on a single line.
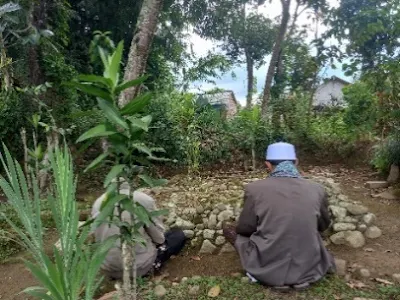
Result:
{"points": [[352, 222], [200, 207]]}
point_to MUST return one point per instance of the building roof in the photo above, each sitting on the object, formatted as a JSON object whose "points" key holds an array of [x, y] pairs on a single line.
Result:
{"points": [[335, 78], [219, 98]]}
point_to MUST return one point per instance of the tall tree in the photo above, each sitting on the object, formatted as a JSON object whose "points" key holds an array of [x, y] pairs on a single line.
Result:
{"points": [[371, 30], [275, 54], [140, 46], [275, 62], [245, 36]]}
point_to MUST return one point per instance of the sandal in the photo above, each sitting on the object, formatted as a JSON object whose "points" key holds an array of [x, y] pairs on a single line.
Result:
{"points": [[301, 287]]}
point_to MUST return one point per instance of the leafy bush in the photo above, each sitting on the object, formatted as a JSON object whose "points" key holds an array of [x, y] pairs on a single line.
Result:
{"points": [[12, 118], [361, 112], [386, 154], [191, 134]]}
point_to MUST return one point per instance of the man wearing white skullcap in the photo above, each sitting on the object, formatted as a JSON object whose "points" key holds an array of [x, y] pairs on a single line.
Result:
{"points": [[278, 233]]}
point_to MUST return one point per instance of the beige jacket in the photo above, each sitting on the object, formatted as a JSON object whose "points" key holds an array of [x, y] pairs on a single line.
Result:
{"points": [[145, 256], [278, 231]]}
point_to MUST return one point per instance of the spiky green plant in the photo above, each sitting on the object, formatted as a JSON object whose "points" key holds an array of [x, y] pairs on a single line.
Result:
{"points": [[71, 273]]}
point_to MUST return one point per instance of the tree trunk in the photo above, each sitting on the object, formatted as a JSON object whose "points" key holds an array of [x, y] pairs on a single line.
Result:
{"points": [[140, 46], [4, 64], [250, 80], [37, 19], [275, 54]]}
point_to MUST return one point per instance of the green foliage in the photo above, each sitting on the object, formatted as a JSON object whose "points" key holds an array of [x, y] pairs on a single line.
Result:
{"points": [[361, 112], [71, 275], [250, 132], [127, 154], [12, 112], [370, 28], [193, 135], [386, 153]]}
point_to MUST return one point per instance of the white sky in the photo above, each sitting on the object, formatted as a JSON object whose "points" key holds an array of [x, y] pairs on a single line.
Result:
{"points": [[238, 84]]}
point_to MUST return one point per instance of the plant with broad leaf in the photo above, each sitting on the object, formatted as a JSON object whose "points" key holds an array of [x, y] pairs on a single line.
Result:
{"points": [[127, 155], [71, 273]]}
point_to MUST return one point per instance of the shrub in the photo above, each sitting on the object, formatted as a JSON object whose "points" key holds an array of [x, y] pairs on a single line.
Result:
{"points": [[386, 154], [361, 112]]}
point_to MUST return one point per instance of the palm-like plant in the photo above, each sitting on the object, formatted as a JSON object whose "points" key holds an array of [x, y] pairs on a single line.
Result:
{"points": [[71, 275]]}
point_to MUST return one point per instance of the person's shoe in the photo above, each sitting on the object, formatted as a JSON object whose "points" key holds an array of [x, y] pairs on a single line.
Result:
{"points": [[301, 287]]}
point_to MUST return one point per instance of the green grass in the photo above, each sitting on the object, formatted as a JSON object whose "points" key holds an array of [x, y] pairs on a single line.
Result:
{"points": [[332, 288]]}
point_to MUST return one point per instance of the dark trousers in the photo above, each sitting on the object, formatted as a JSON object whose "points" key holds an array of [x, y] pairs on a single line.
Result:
{"points": [[174, 242]]}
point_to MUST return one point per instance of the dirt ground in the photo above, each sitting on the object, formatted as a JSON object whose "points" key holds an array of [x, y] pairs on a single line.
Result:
{"points": [[380, 256]]}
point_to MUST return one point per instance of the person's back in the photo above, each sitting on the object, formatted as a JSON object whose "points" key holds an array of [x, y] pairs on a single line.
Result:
{"points": [[286, 247], [277, 235], [145, 255]]}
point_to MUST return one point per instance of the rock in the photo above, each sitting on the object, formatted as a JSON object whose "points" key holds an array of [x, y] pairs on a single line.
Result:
{"points": [[377, 184], [207, 247], [227, 248], [363, 273], [160, 291], [341, 266], [245, 279], [338, 238], [212, 221], [200, 209], [219, 225], [369, 219], [200, 226], [344, 227], [362, 228], [208, 234], [189, 233], [354, 239], [338, 212], [220, 232], [205, 222], [221, 207], [373, 232], [349, 219], [356, 209], [214, 291], [344, 204], [189, 212], [184, 279], [387, 195], [184, 225], [343, 198], [194, 290], [396, 278], [394, 174], [225, 215], [220, 240], [216, 211], [194, 242]]}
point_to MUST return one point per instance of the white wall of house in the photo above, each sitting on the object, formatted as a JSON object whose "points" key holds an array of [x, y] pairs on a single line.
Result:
{"points": [[328, 91]]}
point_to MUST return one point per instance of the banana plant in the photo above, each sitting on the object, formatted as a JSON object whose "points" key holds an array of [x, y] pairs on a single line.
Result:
{"points": [[127, 156], [71, 273]]}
